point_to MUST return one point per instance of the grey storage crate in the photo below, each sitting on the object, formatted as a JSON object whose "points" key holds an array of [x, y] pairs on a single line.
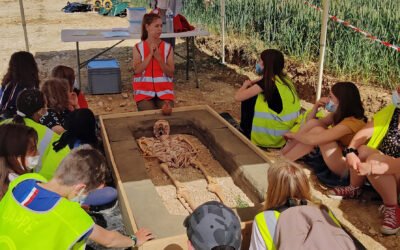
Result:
{"points": [[104, 76]]}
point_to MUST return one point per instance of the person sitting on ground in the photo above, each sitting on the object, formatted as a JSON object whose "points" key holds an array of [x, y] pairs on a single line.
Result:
{"points": [[56, 92], [378, 159], [213, 226], [22, 74], [270, 105], [51, 211], [31, 107], [77, 98], [18, 153], [288, 186], [153, 64], [81, 129], [331, 133]]}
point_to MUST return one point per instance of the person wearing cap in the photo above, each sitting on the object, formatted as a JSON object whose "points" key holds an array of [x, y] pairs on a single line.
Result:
{"points": [[213, 226], [31, 106], [36, 214]]}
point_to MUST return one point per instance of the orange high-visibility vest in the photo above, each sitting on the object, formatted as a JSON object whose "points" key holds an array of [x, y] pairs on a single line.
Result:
{"points": [[152, 81]]}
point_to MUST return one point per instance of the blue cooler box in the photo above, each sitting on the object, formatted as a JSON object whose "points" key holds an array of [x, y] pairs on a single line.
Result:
{"points": [[104, 76]]}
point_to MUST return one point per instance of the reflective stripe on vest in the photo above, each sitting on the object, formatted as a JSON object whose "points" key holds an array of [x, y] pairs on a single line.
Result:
{"points": [[268, 126], [271, 116], [266, 223], [58, 228], [43, 144], [152, 81], [381, 121]]}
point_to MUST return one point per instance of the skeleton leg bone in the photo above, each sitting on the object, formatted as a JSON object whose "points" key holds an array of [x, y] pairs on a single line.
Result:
{"points": [[181, 192], [213, 185]]}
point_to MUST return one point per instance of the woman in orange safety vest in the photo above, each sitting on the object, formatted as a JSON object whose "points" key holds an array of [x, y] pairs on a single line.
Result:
{"points": [[153, 65]]}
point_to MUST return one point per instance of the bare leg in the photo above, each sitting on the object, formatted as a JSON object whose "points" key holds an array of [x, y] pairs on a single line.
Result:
{"points": [[386, 186], [363, 153], [303, 129], [299, 150], [332, 154]]}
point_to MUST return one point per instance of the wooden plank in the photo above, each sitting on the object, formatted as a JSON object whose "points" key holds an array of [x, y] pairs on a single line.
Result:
{"points": [[123, 201], [243, 138], [151, 112]]}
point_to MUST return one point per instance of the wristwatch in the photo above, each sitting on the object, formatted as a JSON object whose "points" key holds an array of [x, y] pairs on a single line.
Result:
{"points": [[348, 151], [134, 238]]}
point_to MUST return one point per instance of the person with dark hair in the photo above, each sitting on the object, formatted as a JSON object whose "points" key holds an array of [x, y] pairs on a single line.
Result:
{"points": [[76, 95], [37, 214], [56, 92], [31, 106], [18, 153], [332, 133], [80, 128], [153, 64], [374, 154], [270, 105], [213, 226], [22, 74]]}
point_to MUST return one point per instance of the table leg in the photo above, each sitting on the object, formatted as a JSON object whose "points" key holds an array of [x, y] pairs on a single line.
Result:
{"points": [[187, 57], [78, 65], [194, 61]]}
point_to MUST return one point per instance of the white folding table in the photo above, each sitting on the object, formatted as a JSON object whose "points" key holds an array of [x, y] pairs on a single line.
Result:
{"points": [[88, 35]]}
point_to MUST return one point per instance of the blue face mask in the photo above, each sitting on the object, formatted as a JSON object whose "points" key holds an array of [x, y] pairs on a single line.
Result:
{"points": [[330, 106], [259, 69], [395, 98]]}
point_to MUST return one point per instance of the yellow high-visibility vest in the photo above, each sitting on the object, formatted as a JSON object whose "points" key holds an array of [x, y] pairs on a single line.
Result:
{"points": [[381, 125], [59, 228], [268, 126]]}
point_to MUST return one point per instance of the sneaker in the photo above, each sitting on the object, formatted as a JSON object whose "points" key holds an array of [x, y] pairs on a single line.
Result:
{"points": [[391, 220], [346, 192]]}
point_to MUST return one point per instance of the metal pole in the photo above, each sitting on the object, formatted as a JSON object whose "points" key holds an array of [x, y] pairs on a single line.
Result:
{"points": [[223, 30], [21, 9], [322, 46]]}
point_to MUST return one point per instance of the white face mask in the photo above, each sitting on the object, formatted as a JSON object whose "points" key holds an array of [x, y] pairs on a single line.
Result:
{"points": [[80, 197], [32, 161], [396, 98]]}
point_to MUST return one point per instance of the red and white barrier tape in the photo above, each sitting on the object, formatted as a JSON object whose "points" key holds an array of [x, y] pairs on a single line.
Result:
{"points": [[347, 24]]}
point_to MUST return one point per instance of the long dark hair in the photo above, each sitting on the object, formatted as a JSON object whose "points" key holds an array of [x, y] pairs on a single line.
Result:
{"points": [[350, 103], [22, 69], [15, 141], [274, 63], [147, 20], [80, 125], [29, 101]]}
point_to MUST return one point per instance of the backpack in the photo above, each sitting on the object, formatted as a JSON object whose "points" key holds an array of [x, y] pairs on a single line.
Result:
{"points": [[310, 227]]}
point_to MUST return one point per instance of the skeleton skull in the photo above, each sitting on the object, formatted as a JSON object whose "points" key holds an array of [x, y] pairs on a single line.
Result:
{"points": [[161, 129]]}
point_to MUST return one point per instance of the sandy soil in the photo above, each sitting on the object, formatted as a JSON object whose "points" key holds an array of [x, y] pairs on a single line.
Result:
{"points": [[195, 182], [218, 83]]}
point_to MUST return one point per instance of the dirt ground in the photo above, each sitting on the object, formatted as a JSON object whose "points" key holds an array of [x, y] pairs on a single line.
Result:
{"points": [[218, 83]]}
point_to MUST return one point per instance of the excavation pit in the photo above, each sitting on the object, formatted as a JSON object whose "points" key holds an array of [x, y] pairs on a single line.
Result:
{"points": [[148, 198]]}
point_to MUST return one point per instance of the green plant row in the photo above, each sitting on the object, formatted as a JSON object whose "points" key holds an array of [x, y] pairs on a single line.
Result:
{"points": [[294, 28]]}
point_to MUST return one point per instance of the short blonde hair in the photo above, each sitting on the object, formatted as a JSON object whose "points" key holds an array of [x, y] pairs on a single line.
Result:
{"points": [[286, 181], [83, 165]]}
